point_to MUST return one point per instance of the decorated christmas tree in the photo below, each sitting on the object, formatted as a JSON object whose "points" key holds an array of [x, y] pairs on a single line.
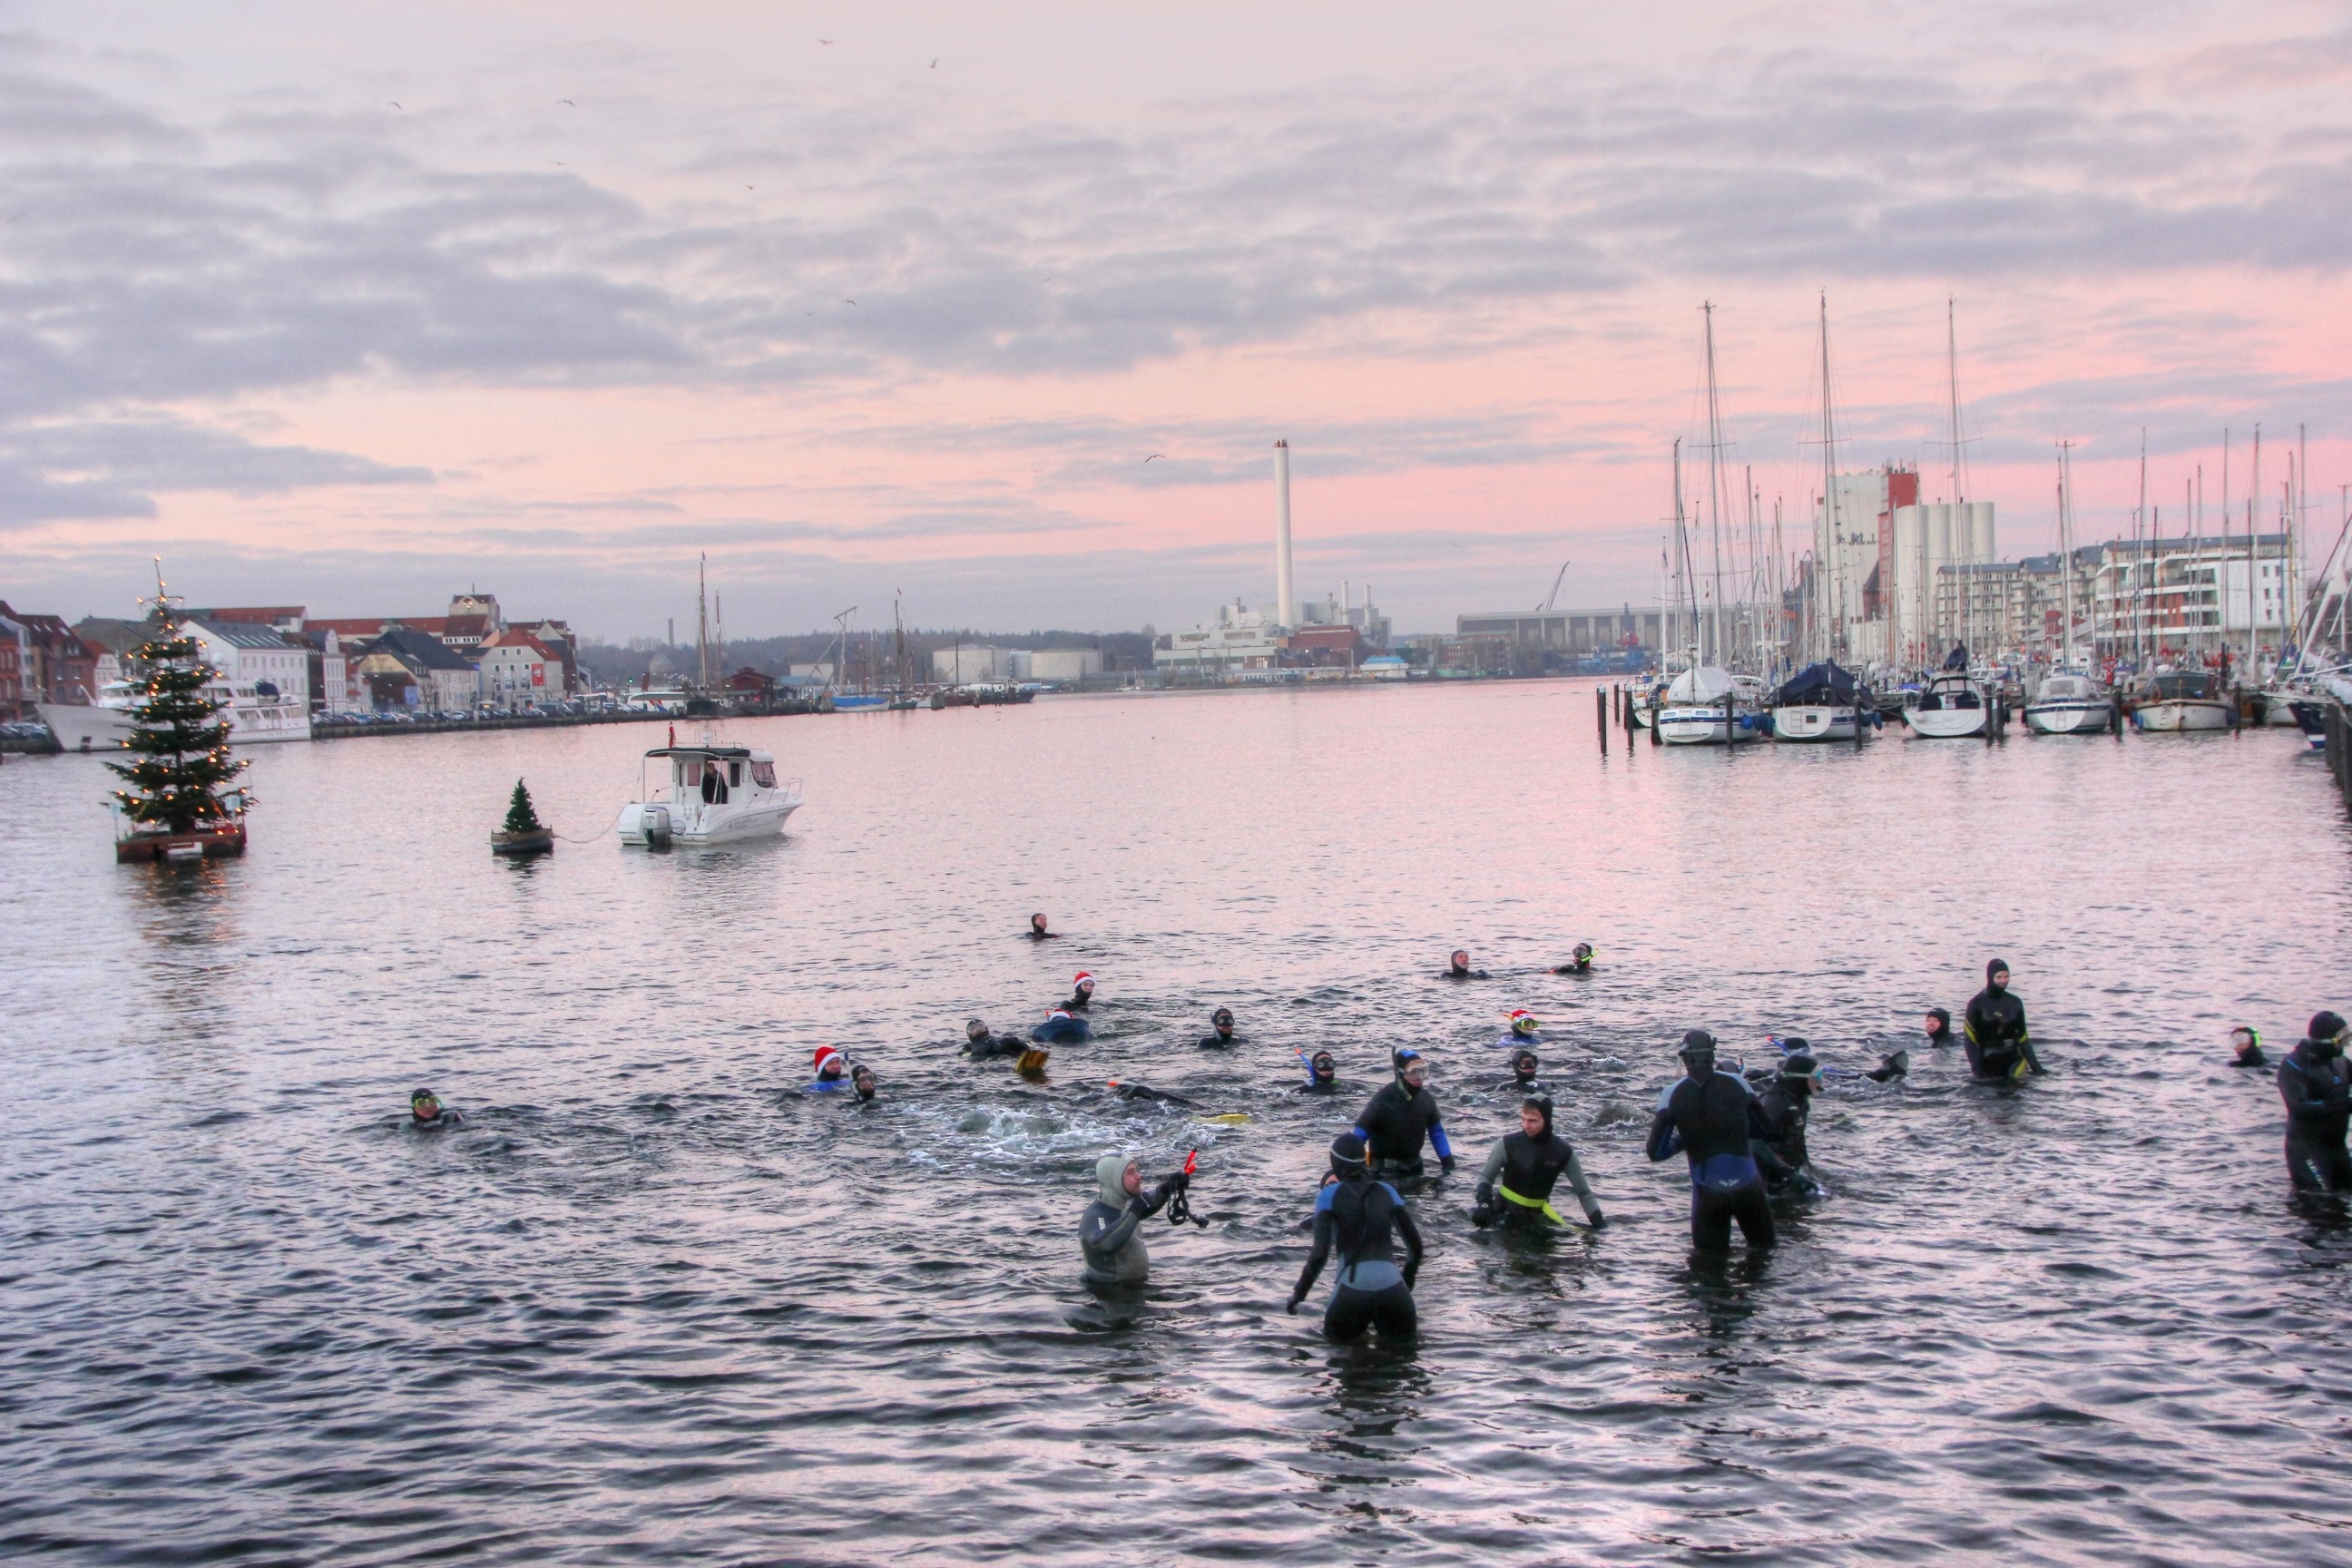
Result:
{"points": [[520, 817], [179, 737]]}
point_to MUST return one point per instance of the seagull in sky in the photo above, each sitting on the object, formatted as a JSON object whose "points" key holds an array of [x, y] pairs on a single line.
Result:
{"points": [[1155, 457], [567, 103], [395, 105], [828, 42], [555, 164], [849, 301], [935, 65]]}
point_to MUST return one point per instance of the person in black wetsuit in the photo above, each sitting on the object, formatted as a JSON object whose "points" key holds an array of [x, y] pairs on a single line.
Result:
{"points": [[1355, 1214], [1580, 961], [1108, 1238], [2313, 1081], [1525, 1066], [2246, 1047], [1082, 992], [1529, 1163], [1779, 1145], [1709, 1117], [1457, 967], [1395, 1120], [861, 1083], [1322, 1073], [1998, 1046], [1038, 931], [1939, 1027], [425, 1111], [980, 1045], [1221, 1021]]}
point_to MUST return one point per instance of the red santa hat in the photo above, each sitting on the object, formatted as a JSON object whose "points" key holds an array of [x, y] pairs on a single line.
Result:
{"points": [[827, 1054], [1084, 981]]}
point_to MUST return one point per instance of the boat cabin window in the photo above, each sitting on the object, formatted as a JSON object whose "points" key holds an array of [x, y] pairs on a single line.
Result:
{"points": [[735, 774], [765, 775], [689, 772]]}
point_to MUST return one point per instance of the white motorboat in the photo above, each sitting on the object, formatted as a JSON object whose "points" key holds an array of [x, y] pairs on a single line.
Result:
{"points": [[715, 794], [1953, 708], [1705, 707], [1819, 703], [2177, 701], [255, 717], [2070, 705]]}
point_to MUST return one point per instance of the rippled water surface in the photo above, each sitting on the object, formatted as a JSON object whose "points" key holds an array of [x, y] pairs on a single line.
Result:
{"points": [[649, 1305]]}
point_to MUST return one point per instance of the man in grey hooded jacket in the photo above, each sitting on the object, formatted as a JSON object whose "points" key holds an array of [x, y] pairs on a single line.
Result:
{"points": [[1108, 1234]]}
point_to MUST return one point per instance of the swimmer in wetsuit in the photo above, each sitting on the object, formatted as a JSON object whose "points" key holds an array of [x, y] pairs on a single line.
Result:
{"points": [[1939, 1027], [1580, 961], [1354, 1214], [980, 1045], [1781, 1109], [1109, 1238], [1322, 1073], [1525, 1066], [426, 1113], [1709, 1117], [1082, 992], [1530, 1163], [1999, 1049], [1221, 1021], [1524, 1030], [2246, 1047], [1038, 931], [862, 1084], [2316, 1085], [1395, 1120], [1457, 967]]}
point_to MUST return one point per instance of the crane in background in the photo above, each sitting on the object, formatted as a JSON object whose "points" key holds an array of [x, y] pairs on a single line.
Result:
{"points": [[1550, 599]]}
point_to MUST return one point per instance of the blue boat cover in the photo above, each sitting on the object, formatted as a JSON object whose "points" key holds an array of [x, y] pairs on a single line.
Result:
{"points": [[1817, 685]]}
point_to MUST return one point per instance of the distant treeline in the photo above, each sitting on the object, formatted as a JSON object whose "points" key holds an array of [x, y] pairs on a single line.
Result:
{"points": [[868, 656]]}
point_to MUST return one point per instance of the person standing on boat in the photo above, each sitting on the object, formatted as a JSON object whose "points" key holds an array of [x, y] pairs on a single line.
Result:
{"points": [[1522, 1170], [2314, 1081], [1038, 931], [1709, 1117], [1457, 967], [1998, 1044], [1395, 1120], [1109, 1238]]}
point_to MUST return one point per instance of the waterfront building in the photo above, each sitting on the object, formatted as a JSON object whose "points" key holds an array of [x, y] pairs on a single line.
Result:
{"points": [[250, 655], [1240, 640], [12, 668], [406, 669], [517, 668], [1066, 664], [968, 665], [1559, 638], [53, 664]]}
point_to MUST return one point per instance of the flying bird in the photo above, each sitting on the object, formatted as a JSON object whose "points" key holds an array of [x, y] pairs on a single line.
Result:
{"points": [[935, 65], [1155, 457], [825, 41], [567, 103], [849, 301], [558, 165], [395, 106]]}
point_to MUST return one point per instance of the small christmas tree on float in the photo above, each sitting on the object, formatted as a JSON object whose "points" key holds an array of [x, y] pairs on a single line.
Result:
{"points": [[177, 808], [523, 834]]}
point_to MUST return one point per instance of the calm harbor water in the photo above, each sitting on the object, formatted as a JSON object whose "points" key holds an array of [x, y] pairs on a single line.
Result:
{"points": [[649, 1305]]}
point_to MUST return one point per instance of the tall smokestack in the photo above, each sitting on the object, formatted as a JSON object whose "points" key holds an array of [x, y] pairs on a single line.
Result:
{"points": [[1286, 607]]}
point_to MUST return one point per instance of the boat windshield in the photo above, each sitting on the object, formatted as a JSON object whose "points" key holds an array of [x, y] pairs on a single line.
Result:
{"points": [[763, 774], [2178, 686]]}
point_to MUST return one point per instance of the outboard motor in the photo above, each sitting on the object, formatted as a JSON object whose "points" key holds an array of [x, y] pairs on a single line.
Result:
{"points": [[657, 823]]}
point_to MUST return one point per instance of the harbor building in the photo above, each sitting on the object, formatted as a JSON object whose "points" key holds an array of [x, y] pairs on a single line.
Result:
{"points": [[248, 654], [1565, 639], [1890, 576]]}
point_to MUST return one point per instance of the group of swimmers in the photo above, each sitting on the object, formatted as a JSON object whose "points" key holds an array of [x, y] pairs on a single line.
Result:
{"points": [[1744, 1141]]}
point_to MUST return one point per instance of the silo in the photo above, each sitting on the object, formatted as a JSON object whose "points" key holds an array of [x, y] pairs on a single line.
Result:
{"points": [[1979, 533]]}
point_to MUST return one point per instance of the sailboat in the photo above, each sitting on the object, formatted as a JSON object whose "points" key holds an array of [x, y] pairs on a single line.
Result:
{"points": [[2068, 702], [1706, 705], [1821, 703]]}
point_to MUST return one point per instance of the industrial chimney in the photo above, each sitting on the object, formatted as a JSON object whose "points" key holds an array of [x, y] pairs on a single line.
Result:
{"points": [[1286, 607]]}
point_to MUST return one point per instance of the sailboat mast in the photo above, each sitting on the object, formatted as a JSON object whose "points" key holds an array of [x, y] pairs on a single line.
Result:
{"points": [[2253, 564], [1959, 497], [702, 620], [1829, 493], [1715, 482], [2065, 553], [2140, 549]]}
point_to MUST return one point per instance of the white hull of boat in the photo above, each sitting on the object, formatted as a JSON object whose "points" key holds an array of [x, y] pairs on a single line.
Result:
{"points": [[82, 728], [695, 825], [1809, 721], [252, 726], [2069, 717], [2182, 716], [1946, 723], [1680, 726]]}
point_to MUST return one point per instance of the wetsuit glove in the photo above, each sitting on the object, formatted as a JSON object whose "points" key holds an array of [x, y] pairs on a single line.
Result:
{"points": [[1293, 1306], [1412, 1267], [1600, 1221], [1446, 1164]]}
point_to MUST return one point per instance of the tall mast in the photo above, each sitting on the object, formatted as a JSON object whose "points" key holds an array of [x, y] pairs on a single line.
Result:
{"points": [[702, 620], [2141, 543], [2065, 553], [1829, 490], [2253, 563], [1714, 484], [1959, 483]]}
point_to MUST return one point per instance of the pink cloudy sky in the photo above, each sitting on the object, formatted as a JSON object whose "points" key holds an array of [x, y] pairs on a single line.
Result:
{"points": [[314, 348]]}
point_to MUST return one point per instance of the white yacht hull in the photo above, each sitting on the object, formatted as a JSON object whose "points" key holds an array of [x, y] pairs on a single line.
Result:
{"points": [[696, 824], [82, 728], [1810, 721], [2181, 716], [1699, 726], [2069, 717], [1946, 723], [266, 721]]}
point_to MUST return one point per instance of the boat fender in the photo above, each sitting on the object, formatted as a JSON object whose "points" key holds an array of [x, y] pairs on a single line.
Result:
{"points": [[657, 826]]}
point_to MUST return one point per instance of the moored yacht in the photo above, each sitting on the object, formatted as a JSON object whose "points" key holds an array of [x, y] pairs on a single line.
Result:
{"points": [[714, 794], [256, 713], [1705, 707], [1819, 703], [2176, 702], [2067, 704], [1952, 708]]}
